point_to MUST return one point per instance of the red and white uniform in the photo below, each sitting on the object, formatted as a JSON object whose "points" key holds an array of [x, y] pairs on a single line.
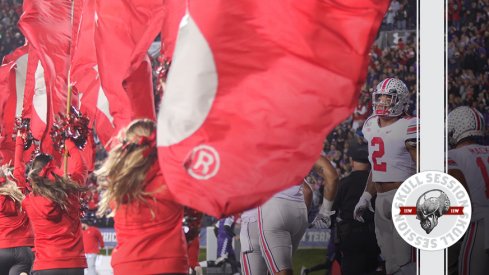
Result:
{"points": [[252, 261], [390, 160], [150, 237], [58, 237], [473, 161], [282, 221]]}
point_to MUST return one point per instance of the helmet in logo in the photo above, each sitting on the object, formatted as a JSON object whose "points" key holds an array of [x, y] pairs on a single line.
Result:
{"points": [[429, 207], [464, 122], [390, 98]]}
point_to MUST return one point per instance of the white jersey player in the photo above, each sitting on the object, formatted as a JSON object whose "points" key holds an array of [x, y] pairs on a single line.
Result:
{"points": [[282, 221], [468, 161], [271, 233], [252, 261], [275, 229], [391, 137]]}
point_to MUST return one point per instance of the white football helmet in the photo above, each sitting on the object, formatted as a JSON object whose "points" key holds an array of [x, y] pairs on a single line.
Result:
{"points": [[390, 98], [464, 122]]}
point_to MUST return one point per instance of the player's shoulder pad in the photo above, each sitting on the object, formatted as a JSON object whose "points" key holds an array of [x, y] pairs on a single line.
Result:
{"points": [[371, 119], [410, 119]]}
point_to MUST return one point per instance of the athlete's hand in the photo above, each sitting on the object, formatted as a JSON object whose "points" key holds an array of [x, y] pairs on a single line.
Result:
{"points": [[362, 205], [323, 219]]}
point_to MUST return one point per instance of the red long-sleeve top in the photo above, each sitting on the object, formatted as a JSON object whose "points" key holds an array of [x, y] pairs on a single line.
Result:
{"points": [[92, 240], [58, 237], [148, 244], [15, 229], [77, 166]]}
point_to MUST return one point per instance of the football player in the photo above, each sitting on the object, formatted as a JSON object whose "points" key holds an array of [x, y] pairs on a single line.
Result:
{"points": [[468, 161], [392, 145]]}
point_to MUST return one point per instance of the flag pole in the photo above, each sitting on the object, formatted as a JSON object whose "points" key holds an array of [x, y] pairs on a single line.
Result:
{"points": [[68, 107], [68, 101]]}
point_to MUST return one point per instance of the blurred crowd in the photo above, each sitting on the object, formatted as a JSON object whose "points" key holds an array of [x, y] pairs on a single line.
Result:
{"points": [[10, 36], [401, 15], [468, 46]]}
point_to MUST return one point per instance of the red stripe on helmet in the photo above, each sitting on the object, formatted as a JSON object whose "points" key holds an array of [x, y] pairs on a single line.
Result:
{"points": [[386, 81]]}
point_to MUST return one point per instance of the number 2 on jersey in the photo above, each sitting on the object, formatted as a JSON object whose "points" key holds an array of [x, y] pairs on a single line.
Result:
{"points": [[378, 153], [485, 175]]}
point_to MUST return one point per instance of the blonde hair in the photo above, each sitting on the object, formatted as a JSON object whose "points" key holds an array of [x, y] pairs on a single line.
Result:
{"points": [[10, 189], [123, 173], [57, 190]]}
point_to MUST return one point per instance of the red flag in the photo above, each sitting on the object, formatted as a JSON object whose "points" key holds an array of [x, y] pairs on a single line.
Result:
{"points": [[35, 102], [139, 88], [6, 155], [174, 11], [95, 104], [37, 125], [85, 77], [78, 9], [32, 63], [121, 43], [39, 102], [88, 153], [7, 112], [18, 53], [36, 105], [14, 96], [104, 122], [47, 25], [253, 90]]}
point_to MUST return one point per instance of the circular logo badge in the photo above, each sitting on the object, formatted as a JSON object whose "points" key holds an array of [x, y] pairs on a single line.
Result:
{"points": [[203, 162], [431, 210]]}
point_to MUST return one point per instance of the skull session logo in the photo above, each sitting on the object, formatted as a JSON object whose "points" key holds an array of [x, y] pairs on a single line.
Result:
{"points": [[431, 210]]}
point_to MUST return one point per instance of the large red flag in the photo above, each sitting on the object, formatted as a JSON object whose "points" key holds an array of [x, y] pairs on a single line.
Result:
{"points": [[253, 90], [85, 76], [124, 30], [47, 25]]}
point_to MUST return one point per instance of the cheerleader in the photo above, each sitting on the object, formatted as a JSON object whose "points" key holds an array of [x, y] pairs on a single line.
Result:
{"points": [[16, 237], [148, 222], [53, 208]]}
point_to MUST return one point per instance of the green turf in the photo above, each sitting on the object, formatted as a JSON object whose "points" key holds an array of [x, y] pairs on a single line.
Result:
{"points": [[104, 251], [202, 254], [308, 258], [303, 257]]}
